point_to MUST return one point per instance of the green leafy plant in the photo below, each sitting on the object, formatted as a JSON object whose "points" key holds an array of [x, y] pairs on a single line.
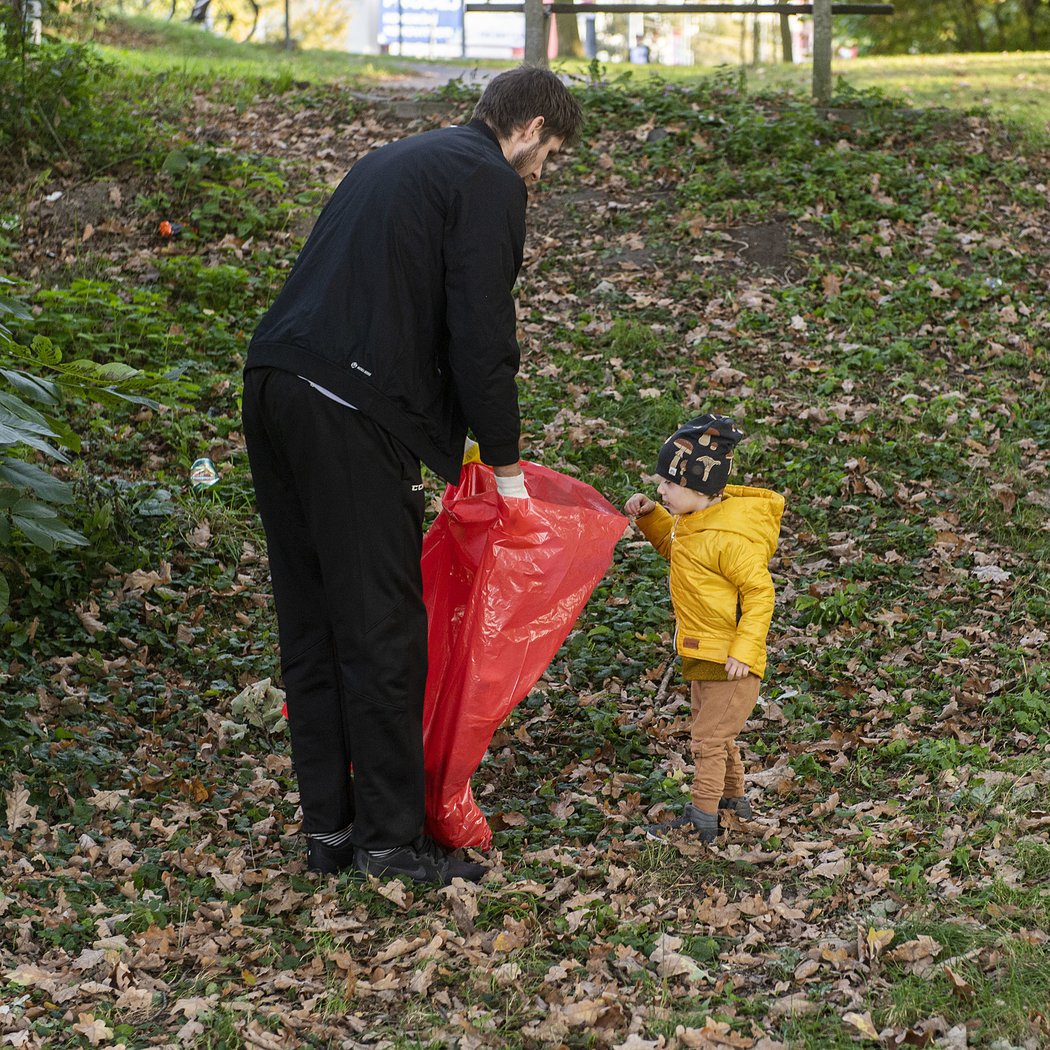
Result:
{"points": [[847, 604], [30, 495], [51, 100], [886, 366], [218, 193]]}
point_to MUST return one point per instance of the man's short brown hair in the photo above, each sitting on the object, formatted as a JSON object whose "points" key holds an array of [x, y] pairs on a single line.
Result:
{"points": [[518, 96]]}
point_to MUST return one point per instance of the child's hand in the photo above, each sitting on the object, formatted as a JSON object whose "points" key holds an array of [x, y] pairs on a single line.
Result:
{"points": [[638, 505], [735, 670]]}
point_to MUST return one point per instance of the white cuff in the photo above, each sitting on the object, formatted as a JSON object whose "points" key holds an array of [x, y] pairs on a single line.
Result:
{"points": [[512, 487]]}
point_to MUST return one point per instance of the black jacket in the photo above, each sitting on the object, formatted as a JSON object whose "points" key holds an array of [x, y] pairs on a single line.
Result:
{"points": [[400, 301]]}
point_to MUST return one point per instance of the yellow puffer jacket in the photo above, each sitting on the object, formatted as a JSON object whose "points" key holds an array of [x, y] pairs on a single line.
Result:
{"points": [[719, 563]]}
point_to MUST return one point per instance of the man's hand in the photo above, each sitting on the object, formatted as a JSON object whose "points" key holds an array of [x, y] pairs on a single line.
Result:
{"points": [[510, 482], [638, 505], [736, 670]]}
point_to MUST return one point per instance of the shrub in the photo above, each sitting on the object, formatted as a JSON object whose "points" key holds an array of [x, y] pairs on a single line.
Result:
{"points": [[29, 494], [51, 101]]}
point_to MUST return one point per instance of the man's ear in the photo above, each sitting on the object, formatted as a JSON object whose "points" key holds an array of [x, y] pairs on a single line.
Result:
{"points": [[534, 127]]}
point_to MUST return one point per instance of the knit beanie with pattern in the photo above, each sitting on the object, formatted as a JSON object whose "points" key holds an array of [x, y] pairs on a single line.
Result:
{"points": [[699, 454]]}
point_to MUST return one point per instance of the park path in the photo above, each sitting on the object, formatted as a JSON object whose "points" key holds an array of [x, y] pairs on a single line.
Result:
{"points": [[432, 76]]}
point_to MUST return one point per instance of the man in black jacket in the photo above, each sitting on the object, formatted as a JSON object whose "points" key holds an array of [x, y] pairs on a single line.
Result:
{"points": [[394, 335]]}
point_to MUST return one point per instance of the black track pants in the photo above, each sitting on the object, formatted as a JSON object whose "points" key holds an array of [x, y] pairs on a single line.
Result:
{"points": [[342, 505]]}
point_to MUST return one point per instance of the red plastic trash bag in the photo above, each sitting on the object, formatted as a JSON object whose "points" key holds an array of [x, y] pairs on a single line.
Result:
{"points": [[504, 581]]}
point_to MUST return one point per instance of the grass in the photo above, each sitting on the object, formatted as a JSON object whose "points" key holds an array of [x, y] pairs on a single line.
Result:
{"points": [[153, 48], [1015, 86], [885, 355]]}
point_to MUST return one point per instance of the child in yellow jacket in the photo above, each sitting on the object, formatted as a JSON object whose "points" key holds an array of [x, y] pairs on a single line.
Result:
{"points": [[719, 539]]}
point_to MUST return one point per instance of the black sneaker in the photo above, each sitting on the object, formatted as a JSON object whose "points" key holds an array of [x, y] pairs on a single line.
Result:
{"points": [[421, 860], [737, 804], [692, 821], [329, 860]]}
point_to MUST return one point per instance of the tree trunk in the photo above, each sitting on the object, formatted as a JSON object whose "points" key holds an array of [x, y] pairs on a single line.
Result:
{"points": [[975, 38], [787, 52], [1000, 29], [822, 51], [535, 33], [1029, 14], [569, 43]]}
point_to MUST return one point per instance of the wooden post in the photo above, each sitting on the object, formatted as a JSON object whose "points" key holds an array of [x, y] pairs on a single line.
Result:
{"points": [[822, 51], [535, 33], [786, 50]]}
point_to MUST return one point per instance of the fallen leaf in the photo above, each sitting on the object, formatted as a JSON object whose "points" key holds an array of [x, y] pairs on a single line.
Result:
{"points": [[583, 1012], [395, 892], [712, 1036], [19, 811], [91, 623], [876, 940], [1033, 639], [507, 974], [201, 536], [862, 1022], [114, 227], [511, 819], [990, 574], [957, 1038], [193, 1007], [1006, 496], [92, 1029], [88, 959], [636, 1042], [134, 1000], [776, 776], [145, 581], [795, 1005], [922, 950], [831, 869], [29, 976], [669, 962], [108, 800], [960, 986], [189, 1031]]}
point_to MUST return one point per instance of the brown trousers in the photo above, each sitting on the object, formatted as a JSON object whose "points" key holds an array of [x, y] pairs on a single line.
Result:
{"points": [[720, 710]]}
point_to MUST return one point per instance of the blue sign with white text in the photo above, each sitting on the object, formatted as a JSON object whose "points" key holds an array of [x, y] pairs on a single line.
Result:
{"points": [[432, 23]]}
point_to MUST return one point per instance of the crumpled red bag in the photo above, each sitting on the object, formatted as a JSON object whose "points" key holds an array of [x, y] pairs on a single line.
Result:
{"points": [[504, 581]]}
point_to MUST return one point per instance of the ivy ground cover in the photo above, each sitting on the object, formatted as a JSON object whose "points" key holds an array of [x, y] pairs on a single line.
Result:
{"points": [[866, 291]]}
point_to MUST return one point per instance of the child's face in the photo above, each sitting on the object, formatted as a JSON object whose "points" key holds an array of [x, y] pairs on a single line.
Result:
{"points": [[680, 500]]}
